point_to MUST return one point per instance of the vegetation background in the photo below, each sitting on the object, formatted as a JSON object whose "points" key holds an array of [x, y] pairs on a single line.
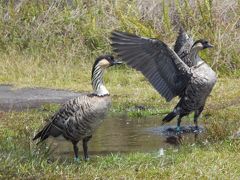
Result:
{"points": [[54, 43], [42, 40]]}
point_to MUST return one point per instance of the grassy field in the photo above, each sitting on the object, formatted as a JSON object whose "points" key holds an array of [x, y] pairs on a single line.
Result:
{"points": [[53, 44], [215, 155]]}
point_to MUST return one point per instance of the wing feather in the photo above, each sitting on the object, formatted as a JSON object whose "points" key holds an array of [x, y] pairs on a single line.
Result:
{"points": [[182, 39], [157, 62], [183, 47]]}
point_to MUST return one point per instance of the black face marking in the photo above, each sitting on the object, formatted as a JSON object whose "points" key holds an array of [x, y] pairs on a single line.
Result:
{"points": [[108, 57], [204, 43]]}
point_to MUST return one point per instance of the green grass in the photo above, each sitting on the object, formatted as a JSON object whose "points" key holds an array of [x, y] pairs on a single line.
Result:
{"points": [[214, 155], [203, 163]]}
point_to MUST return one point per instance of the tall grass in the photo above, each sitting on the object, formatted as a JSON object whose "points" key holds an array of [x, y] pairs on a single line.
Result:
{"points": [[75, 32]]}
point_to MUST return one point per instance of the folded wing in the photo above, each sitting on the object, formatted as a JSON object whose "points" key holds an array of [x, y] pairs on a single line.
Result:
{"points": [[168, 74], [183, 47]]}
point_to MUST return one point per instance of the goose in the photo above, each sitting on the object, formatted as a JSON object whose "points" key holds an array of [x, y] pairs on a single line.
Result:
{"points": [[182, 73], [78, 118]]}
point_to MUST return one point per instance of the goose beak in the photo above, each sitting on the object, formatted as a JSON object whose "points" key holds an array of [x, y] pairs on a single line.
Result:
{"points": [[117, 62], [208, 45]]}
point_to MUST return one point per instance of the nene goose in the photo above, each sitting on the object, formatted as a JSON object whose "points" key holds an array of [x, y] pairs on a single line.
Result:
{"points": [[78, 118], [191, 80]]}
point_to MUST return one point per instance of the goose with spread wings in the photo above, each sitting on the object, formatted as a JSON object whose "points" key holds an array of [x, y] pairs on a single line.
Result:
{"points": [[179, 72]]}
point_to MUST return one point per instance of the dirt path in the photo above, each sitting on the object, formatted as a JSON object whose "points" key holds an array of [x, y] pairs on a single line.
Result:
{"points": [[12, 98]]}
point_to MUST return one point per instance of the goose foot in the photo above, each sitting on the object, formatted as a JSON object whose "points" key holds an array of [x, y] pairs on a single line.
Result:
{"points": [[178, 130], [77, 159], [197, 130], [87, 159]]}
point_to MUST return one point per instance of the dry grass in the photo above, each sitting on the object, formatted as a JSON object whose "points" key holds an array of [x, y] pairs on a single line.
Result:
{"points": [[75, 33]]}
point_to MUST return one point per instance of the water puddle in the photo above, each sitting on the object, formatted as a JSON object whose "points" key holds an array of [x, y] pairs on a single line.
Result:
{"points": [[122, 134]]}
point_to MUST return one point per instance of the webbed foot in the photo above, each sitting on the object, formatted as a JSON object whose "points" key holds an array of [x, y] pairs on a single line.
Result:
{"points": [[77, 159], [87, 159], [178, 130], [197, 130]]}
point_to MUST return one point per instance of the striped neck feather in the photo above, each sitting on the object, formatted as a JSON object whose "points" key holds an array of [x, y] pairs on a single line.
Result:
{"points": [[97, 82], [194, 55]]}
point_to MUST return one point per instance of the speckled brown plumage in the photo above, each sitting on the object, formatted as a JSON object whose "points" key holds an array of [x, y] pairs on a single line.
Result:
{"points": [[78, 118]]}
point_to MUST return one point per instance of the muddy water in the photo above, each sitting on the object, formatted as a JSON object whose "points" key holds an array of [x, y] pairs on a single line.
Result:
{"points": [[122, 134]]}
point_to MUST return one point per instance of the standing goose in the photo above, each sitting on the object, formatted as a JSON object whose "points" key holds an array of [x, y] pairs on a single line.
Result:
{"points": [[191, 80], [78, 118]]}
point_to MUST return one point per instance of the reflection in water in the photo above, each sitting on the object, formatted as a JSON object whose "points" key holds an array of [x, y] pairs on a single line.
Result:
{"points": [[174, 140], [122, 134]]}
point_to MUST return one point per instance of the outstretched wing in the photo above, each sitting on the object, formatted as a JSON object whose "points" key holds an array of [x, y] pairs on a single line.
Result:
{"points": [[167, 73]]}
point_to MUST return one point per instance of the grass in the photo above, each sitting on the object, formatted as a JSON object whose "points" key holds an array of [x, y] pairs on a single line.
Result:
{"points": [[54, 45], [182, 164], [217, 158], [60, 34], [214, 155]]}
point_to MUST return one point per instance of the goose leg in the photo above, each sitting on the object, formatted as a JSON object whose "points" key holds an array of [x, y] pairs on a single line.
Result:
{"points": [[179, 123], [85, 147], [75, 148], [196, 116]]}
